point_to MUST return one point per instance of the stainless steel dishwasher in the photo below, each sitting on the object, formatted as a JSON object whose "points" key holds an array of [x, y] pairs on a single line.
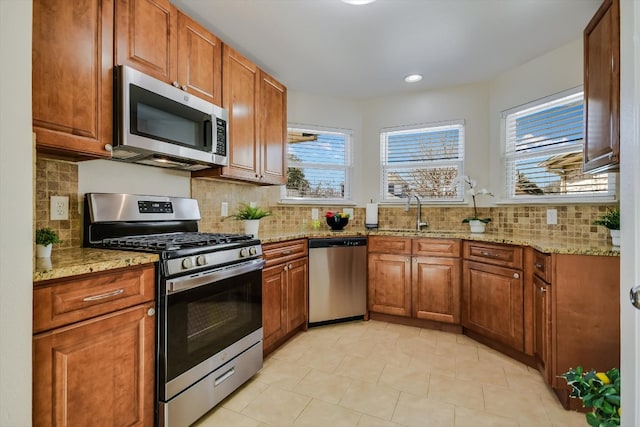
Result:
{"points": [[337, 279]]}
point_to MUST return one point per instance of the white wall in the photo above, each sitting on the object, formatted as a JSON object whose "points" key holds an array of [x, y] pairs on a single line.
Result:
{"points": [[16, 215], [466, 102], [106, 176], [554, 72]]}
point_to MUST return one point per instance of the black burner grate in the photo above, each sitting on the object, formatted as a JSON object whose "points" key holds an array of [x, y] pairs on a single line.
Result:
{"points": [[174, 241]]}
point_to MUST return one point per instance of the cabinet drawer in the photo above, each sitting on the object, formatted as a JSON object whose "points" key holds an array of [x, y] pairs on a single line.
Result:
{"points": [[436, 247], [275, 253], [73, 300], [490, 253], [394, 245], [542, 266]]}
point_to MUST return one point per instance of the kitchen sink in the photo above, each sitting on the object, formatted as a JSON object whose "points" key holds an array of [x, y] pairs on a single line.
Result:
{"points": [[432, 232]]}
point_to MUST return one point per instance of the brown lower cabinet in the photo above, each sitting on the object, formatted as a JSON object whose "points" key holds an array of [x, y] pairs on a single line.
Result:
{"points": [[96, 365], [285, 286]]}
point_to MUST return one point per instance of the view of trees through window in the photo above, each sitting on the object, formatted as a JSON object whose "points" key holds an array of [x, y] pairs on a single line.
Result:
{"points": [[318, 164]]}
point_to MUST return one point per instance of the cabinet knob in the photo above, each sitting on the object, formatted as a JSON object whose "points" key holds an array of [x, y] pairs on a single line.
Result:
{"points": [[108, 147], [175, 84], [406, 260], [184, 88], [543, 289], [516, 275], [151, 311], [286, 268], [538, 265]]}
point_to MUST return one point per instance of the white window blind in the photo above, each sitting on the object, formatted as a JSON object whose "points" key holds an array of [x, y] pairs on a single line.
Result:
{"points": [[319, 164], [422, 160], [544, 143]]}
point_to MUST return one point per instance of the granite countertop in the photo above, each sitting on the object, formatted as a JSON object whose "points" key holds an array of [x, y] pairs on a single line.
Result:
{"points": [[77, 261], [541, 243]]}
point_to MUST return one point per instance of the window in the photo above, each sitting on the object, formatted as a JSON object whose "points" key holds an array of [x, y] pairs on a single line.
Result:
{"points": [[422, 160], [319, 164], [544, 142]]}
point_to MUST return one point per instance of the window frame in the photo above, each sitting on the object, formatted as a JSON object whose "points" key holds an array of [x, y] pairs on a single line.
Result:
{"points": [[459, 162], [510, 156], [347, 167]]}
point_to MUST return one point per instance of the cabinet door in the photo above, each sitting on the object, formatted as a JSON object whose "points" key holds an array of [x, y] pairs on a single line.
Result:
{"points": [[542, 327], [199, 60], [145, 37], [97, 371], [241, 90], [602, 89], [273, 130], [436, 289], [72, 81], [492, 303], [297, 285], [389, 284], [274, 301]]}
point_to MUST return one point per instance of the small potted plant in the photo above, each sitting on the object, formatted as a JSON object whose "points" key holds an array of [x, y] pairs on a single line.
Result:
{"points": [[599, 391], [476, 224], [251, 216], [611, 220], [45, 238]]}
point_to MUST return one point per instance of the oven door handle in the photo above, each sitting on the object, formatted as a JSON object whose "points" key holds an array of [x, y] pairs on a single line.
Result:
{"points": [[205, 278]]}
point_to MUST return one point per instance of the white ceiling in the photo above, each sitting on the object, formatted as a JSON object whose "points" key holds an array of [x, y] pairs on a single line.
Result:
{"points": [[331, 48]]}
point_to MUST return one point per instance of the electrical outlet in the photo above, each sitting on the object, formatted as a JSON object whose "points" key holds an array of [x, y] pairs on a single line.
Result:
{"points": [[349, 211], [224, 209], [252, 204], [59, 208], [552, 216], [314, 213]]}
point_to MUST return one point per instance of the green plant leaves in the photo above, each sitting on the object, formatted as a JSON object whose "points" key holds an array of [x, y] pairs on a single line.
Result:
{"points": [[604, 398]]}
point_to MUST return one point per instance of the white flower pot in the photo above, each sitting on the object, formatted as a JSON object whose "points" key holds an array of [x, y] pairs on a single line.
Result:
{"points": [[615, 237], [251, 227], [477, 226], [43, 251]]}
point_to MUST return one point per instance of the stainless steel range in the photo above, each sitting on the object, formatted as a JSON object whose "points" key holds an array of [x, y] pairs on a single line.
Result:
{"points": [[209, 297]]}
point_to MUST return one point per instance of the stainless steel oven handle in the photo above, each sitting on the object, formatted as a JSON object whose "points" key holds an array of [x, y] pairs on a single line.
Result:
{"points": [[207, 277]]}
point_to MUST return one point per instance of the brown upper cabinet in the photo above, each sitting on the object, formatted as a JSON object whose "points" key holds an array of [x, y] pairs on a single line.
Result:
{"points": [[257, 106], [602, 89], [72, 78], [155, 38]]}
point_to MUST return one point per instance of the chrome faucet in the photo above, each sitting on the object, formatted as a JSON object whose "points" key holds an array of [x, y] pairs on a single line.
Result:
{"points": [[419, 224]]}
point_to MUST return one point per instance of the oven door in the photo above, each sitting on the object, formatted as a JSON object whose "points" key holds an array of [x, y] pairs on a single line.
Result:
{"points": [[206, 319]]}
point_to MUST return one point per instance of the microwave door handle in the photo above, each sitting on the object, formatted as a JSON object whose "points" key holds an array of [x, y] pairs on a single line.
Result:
{"points": [[208, 135]]}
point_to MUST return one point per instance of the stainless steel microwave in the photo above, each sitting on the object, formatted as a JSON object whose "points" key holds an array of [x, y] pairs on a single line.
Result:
{"points": [[160, 125]]}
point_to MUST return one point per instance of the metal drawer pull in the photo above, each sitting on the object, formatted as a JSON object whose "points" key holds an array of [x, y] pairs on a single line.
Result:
{"points": [[222, 378], [489, 254], [103, 296], [543, 290], [287, 252], [538, 265]]}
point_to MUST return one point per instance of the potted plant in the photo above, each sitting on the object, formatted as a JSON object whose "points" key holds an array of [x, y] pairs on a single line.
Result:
{"points": [[45, 238], [251, 216], [611, 220], [476, 223], [599, 391]]}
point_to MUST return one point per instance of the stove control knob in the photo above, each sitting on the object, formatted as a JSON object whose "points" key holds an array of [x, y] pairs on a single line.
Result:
{"points": [[253, 250], [244, 253], [187, 263], [201, 260]]}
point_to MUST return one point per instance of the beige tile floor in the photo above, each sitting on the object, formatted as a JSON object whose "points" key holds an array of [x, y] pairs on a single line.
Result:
{"points": [[380, 374]]}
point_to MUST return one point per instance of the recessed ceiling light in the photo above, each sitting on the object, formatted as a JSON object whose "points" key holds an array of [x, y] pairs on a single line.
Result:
{"points": [[413, 78], [358, 2]]}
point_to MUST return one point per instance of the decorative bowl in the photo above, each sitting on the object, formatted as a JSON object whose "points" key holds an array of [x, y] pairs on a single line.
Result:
{"points": [[337, 223]]}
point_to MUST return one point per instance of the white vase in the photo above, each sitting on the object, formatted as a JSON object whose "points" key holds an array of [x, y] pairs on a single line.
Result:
{"points": [[477, 226], [43, 251], [615, 237], [251, 227]]}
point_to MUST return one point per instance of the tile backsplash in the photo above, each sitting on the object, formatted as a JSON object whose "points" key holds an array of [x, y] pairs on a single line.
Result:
{"points": [[59, 178]]}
